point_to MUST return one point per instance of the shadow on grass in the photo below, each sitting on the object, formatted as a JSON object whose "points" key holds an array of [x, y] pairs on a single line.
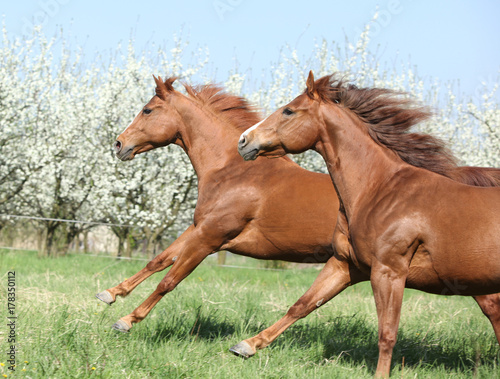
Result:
{"points": [[346, 339], [349, 339], [209, 327]]}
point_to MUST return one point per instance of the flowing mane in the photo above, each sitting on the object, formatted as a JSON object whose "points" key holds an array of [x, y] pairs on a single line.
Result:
{"points": [[389, 116], [235, 109], [477, 176]]}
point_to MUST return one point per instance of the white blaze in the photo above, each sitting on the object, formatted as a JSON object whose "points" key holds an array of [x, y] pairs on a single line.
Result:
{"points": [[246, 132], [127, 128]]}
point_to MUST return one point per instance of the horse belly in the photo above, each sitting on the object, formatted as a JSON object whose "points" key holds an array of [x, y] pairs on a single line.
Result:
{"points": [[468, 261], [258, 243], [462, 245], [422, 275], [464, 277], [475, 271]]}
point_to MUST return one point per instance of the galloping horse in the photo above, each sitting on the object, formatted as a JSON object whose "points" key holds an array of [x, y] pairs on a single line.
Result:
{"points": [[244, 208], [401, 222]]}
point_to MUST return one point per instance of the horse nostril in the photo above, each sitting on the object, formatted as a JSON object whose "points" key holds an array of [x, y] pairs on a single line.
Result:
{"points": [[118, 146], [242, 142]]}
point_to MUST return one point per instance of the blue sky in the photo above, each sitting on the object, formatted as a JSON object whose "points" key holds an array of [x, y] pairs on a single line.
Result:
{"points": [[444, 39]]}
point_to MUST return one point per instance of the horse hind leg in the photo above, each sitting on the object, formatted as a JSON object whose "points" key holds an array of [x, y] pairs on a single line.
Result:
{"points": [[159, 263], [333, 279], [490, 305]]}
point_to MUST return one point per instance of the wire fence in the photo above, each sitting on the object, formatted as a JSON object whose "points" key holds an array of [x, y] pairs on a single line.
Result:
{"points": [[64, 220], [144, 259], [108, 256]]}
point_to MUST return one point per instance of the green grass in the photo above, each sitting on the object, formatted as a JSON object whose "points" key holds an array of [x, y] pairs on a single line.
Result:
{"points": [[63, 331]]}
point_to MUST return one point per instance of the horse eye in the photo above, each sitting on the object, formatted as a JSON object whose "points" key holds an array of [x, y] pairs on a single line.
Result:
{"points": [[147, 111], [288, 112]]}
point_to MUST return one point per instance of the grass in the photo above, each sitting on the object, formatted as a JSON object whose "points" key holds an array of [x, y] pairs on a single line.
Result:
{"points": [[63, 331]]}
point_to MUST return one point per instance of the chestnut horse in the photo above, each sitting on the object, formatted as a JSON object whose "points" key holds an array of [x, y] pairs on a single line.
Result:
{"points": [[244, 208], [401, 222], [206, 124]]}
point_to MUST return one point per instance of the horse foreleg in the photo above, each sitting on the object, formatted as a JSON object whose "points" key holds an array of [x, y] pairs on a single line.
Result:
{"points": [[335, 276], [193, 252], [490, 305], [388, 287], [159, 263]]}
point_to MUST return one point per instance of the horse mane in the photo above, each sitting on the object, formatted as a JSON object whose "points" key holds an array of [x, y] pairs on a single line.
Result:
{"points": [[389, 115], [235, 109], [477, 176]]}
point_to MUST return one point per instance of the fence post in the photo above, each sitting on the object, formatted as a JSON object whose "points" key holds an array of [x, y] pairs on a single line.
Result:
{"points": [[221, 258]]}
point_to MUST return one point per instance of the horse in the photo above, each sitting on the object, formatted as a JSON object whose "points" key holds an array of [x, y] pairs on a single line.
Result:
{"points": [[403, 221], [240, 207]]}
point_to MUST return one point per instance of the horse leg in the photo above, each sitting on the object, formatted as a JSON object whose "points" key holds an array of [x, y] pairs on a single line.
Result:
{"points": [[388, 287], [335, 276], [195, 249], [490, 305], [159, 263]]}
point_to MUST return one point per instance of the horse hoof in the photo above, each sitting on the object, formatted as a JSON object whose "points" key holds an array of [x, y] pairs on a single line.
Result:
{"points": [[106, 297], [242, 349], [121, 326]]}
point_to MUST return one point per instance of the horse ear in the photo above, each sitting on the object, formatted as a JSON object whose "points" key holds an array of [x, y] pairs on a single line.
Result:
{"points": [[164, 87], [161, 88], [310, 85], [169, 83]]}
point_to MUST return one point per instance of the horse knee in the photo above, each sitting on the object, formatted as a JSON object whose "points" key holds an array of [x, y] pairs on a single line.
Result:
{"points": [[156, 264], [386, 343], [166, 285], [152, 265]]}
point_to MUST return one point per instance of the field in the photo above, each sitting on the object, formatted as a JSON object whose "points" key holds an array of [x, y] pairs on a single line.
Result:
{"points": [[62, 331]]}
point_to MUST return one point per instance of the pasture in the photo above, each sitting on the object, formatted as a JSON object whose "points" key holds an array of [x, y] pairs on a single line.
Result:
{"points": [[63, 331]]}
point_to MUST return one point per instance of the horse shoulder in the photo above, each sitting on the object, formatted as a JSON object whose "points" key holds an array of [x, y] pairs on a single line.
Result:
{"points": [[225, 205]]}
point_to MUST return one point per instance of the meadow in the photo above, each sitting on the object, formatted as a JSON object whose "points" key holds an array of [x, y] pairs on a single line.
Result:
{"points": [[63, 331]]}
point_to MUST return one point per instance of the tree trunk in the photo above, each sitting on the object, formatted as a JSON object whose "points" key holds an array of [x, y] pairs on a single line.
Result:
{"points": [[122, 234], [150, 248], [47, 243], [120, 247], [86, 242], [128, 249], [42, 246]]}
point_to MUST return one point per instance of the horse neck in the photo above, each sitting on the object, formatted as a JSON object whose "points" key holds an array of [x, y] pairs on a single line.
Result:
{"points": [[356, 163], [209, 144]]}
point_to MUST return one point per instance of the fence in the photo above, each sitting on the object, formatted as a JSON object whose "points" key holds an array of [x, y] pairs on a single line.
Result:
{"points": [[220, 259]]}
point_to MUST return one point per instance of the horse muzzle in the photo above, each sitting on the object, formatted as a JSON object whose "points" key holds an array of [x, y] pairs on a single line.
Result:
{"points": [[124, 154], [249, 151]]}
